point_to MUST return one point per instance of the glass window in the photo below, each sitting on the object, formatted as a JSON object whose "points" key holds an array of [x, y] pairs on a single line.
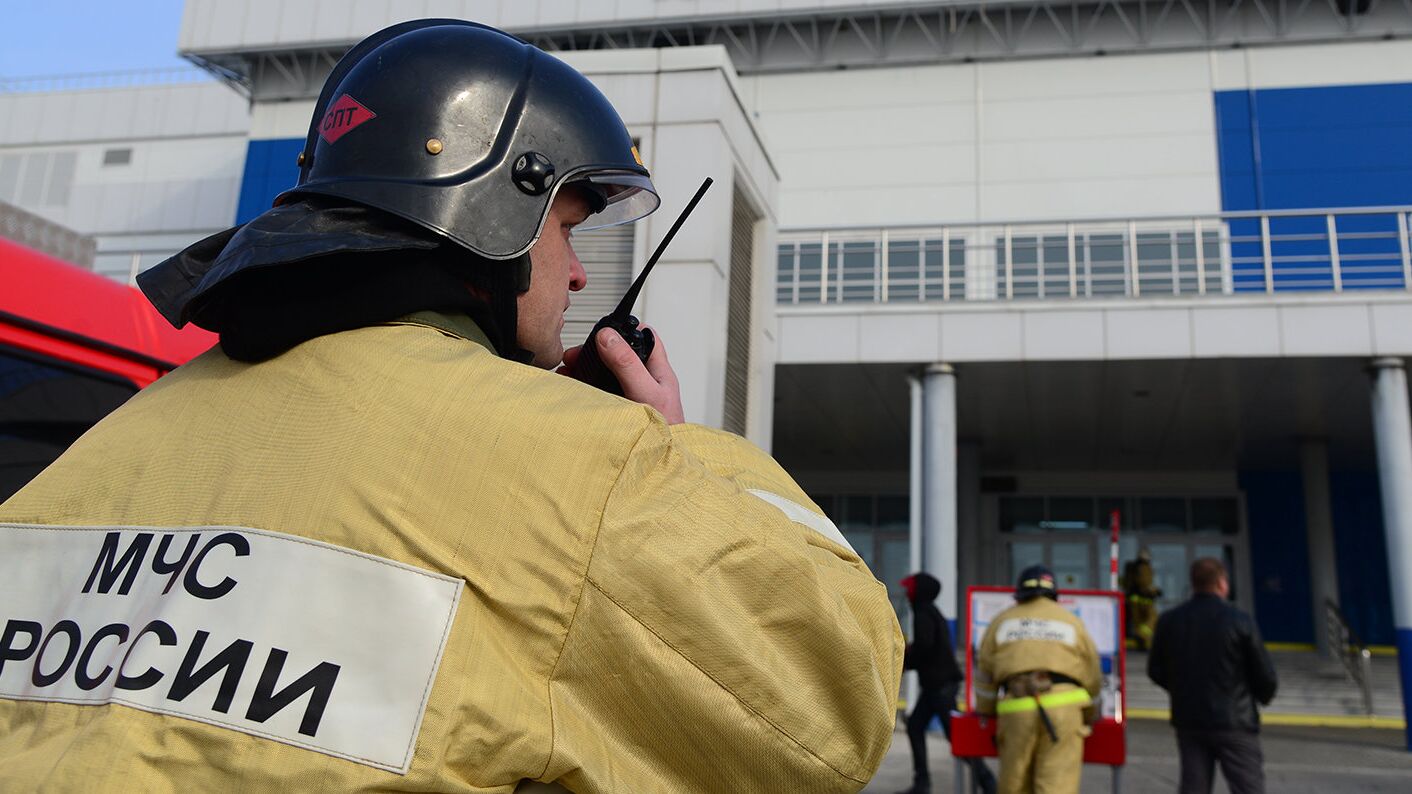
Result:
{"points": [[826, 503], [44, 409], [1070, 514], [1215, 516], [1072, 565], [1022, 556], [1169, 572], [943, 275], [859, 276], [1055, 256], [1106, 506], [1024, 268], [1106, 267], [1163, 515], [903, 270], [1154, 262], [784, 275], [894, 564], [893, 514], [857, 512], [809, 271], [1024, 514]]}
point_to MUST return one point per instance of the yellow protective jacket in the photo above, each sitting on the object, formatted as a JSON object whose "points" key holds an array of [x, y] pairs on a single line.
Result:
{"points": [[1037, 634], [388, 559]]}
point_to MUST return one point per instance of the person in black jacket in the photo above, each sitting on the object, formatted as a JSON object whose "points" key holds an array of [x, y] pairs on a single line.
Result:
{"points": [[1208, 656], [933, 656]]}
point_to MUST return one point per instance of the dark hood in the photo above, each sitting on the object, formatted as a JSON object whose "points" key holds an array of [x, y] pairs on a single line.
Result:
{"points": [[317, 266], [928, 588], [181, 286]]}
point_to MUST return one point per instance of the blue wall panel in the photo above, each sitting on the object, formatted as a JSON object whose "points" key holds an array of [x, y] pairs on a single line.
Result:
{"points": [[1364, 593], [1279, 557], [1279, 551], [270, 169], [1300, 148]]}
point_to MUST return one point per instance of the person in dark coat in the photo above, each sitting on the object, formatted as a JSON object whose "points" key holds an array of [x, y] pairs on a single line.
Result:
{"points": [[1208, 656], [933, 656]]}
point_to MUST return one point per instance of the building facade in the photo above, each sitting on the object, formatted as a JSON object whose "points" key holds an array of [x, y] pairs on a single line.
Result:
{"points": [[981, 275]]}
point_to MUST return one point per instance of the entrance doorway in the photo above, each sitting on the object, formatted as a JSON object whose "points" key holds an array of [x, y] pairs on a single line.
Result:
{"points": [[1070, 534]]}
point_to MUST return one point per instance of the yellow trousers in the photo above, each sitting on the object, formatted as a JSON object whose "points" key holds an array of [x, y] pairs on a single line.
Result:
{"points": [[1030, 762]]}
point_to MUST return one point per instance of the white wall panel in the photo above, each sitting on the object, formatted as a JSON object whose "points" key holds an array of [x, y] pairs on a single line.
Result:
{"points": [[1148, 333], [60, 117], [622, 9], [886, 166], [871, 130], [332, 21], [1139, 75], [518, 13], [1063, 335], [992, 336], [121, 113], [24, 112], [274, 120], [1314, 330], [1329, 64], [559, 12], [264, 18], [1099, 198], [875, 206], [295, 22], [632, 95], [1392, 329], [227, 24], [366, 16], [900, 337]]}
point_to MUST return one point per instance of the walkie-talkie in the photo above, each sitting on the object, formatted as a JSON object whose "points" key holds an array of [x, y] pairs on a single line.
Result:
{"points": [[589, 368]]}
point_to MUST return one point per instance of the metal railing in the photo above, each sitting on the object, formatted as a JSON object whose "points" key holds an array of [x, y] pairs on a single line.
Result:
{"points": [[1236, 252], [1356, 658]]}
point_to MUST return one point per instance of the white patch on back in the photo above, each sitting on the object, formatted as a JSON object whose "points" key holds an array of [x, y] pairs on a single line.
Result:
{"points": [[264, 633], [1039, 629]]}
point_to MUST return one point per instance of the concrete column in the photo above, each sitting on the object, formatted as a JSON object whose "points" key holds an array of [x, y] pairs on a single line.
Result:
{"points": [[910, 687], [1392, 433], [939, 479], [968, 516], [1319, 528], [914, 473]]}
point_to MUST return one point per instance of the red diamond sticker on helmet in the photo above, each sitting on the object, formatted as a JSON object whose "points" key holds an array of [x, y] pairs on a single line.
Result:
{"points": [[342, 116]]}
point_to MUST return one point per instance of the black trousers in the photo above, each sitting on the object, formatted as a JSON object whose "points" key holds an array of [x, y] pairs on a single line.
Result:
{"points": [[938, 702], [1242, 763]]}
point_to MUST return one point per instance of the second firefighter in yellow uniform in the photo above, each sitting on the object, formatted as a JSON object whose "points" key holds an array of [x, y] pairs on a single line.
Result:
{"points": [[1039, 673]]}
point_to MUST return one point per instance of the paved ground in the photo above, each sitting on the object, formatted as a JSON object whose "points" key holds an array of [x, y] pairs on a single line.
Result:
{"points": [[1297, 760]]}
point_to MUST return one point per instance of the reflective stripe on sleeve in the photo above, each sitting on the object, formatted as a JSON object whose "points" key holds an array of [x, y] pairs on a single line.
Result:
{"points": [[1069, 697], [800, 514]]}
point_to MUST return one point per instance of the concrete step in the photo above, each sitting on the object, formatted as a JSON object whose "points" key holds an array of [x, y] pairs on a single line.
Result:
{"points": [[1309, 685]]}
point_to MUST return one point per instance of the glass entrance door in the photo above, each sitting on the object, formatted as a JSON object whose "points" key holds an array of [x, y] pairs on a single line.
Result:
{"points": [[1070, 557], [1070, 535]]}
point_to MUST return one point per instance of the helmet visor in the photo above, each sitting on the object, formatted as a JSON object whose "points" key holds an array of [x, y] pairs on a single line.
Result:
{"points": [[627, 197]]}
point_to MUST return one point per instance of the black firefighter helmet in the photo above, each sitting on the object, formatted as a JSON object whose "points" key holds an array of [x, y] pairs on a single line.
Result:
{"points": [[458, 128], [470, 132], [1035, 581]]}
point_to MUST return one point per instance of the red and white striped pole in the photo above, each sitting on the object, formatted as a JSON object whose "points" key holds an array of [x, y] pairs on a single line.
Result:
{"points": [[1114, 521]]}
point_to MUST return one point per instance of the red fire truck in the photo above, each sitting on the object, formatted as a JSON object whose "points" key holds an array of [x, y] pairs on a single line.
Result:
{"points": [[73, 346]]}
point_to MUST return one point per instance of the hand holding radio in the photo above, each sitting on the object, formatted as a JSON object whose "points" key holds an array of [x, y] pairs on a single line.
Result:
{"points": [[587, 362]]}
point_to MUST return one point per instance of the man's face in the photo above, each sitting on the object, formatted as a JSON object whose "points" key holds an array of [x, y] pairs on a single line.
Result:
{"points": [[555, 273]]}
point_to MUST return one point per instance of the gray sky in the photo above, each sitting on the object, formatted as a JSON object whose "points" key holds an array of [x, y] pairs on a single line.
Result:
{"points": [[46, 37]]}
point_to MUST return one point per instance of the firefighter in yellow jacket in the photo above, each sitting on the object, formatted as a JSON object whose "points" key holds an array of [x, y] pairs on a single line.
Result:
{"points": [[1039, 672], [372, 541]]}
